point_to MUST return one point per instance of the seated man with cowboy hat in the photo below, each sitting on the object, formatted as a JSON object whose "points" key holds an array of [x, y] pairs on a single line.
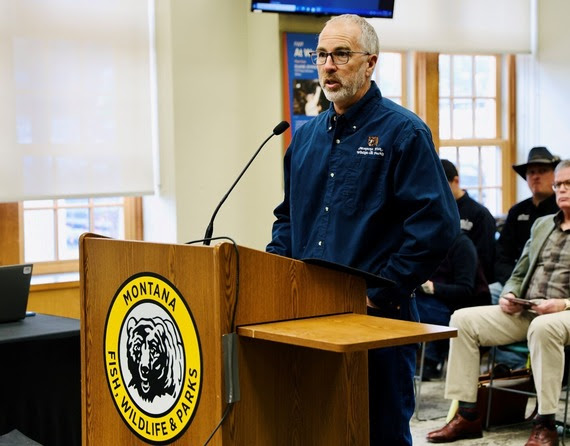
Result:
{"points": [[538, 172]]}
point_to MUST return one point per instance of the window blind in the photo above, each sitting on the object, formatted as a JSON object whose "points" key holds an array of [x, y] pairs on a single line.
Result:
{"points": [[76, 105], [459, 26]]}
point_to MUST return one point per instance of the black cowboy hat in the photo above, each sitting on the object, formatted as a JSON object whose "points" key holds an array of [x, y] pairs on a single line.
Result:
{"points": [[537, 155]]}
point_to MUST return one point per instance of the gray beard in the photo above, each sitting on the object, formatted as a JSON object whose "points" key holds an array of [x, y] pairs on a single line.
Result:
{"points": [[346, 92]]}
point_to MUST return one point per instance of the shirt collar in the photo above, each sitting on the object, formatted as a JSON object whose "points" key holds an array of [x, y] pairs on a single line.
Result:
{"points": [[358, 112], [464, 197], [547, 202], [558, 220]]}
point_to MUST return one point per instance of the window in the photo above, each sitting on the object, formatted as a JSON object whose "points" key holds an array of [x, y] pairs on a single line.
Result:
{"points": [[467, 97], [470, 125], [50, 229], [479, 170], [389, 75]]}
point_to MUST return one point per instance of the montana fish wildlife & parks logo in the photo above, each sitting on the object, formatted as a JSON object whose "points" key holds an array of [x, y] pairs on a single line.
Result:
{"points": [[153, 358]]}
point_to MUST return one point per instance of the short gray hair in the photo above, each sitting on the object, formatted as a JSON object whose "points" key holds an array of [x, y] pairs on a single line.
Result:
{"points": [[562, 165], [368, 37]]}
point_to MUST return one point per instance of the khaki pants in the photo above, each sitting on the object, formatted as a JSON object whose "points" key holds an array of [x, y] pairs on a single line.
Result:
{"points": [[488, 326]]}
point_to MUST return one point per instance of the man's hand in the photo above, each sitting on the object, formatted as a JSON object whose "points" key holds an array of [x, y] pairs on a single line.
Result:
{"points": [[545, 307], [510, 307], [427, 287], [371, 304], [550, 306]]}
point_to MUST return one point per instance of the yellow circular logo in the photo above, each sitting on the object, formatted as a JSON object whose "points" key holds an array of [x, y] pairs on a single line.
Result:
{"points": [[153, 358]]}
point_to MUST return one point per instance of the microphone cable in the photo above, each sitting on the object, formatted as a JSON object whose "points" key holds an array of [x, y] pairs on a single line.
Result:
{"points": [[226, 413]]}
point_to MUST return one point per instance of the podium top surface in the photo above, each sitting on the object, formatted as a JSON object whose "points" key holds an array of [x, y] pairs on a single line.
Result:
{"points": [[347, 332]]}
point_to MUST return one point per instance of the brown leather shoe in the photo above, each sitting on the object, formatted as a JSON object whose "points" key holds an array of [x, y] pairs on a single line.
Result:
{"points": [[457, 429], [542, 436]]}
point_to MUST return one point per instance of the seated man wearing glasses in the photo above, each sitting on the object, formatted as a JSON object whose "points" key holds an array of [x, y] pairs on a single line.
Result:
{"points": [[541, 278]]}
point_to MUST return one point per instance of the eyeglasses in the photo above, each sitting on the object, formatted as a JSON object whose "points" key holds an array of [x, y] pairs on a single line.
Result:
{"points": [[339, 57], [557, 184]]}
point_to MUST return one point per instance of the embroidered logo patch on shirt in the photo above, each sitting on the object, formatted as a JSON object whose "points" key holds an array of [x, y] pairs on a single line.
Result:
{"points": [[372, 149], [523, 217]]}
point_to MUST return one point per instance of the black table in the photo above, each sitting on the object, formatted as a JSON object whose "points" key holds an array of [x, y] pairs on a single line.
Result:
{"points": [[40, 379]]}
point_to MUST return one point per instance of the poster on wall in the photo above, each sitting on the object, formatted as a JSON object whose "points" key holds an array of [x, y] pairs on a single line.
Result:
{"points": [[304, 98]]}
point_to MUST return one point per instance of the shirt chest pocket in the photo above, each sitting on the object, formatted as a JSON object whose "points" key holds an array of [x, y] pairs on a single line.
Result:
{"points": [[363, 187]]}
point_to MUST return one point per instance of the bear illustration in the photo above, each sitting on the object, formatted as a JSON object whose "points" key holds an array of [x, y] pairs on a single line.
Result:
{"points": [[155, 357]]}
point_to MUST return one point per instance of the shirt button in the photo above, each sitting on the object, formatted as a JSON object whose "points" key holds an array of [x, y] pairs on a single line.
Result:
{"points": [[326, 208], [332, 174], [330, 128], [338, 141], [320, 243]]}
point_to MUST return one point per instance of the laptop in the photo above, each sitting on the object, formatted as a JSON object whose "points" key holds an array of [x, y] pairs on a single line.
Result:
{"points": [[14, 291]]}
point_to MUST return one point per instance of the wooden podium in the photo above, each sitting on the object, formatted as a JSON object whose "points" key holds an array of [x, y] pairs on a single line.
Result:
{"points": [[302, 346]]}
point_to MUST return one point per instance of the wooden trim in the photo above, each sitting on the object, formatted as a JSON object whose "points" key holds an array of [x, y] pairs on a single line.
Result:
{"points": [[471, 142], [427, 91], [133, 209], [287, 136], [10, 236], [404, 68], [55, 286], [61, 299], [61, 266], [509, 157]]}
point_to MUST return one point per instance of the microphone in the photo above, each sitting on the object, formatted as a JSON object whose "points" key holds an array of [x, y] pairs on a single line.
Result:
{"points": [[279, 128]]}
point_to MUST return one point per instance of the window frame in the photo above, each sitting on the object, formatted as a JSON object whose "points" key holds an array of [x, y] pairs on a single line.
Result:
{"points": [[12, 235], [427, 107], [403, 81]]}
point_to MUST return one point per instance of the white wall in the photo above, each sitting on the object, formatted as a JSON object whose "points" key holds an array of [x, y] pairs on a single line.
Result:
{"points": [[219, 98], [220, 95], [543, 86]]}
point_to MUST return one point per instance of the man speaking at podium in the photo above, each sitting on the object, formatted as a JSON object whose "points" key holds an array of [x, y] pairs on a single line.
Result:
{"points": [[365, 188]]}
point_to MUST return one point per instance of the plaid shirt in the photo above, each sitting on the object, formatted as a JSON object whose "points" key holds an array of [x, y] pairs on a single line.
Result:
{"points": [[551, 278]]}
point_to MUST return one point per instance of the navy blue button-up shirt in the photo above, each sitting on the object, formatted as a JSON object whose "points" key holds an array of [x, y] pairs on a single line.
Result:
{"points": [[366, 189]]}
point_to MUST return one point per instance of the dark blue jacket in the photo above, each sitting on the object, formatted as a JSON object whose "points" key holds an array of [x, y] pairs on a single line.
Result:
{"points": [[479, 224], [459, 280], [366, 189]]}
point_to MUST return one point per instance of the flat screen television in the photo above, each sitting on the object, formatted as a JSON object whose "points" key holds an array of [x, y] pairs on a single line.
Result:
{"points": [[364, 8]]}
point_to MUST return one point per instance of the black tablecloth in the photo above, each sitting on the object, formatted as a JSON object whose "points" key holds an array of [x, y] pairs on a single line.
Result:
{"points": [[40, 375]]}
